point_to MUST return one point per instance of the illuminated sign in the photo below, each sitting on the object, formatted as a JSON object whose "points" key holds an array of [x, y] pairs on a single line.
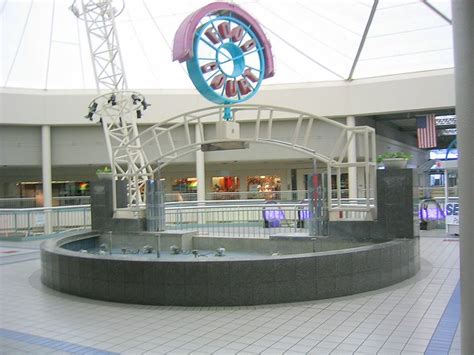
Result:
{"points": [[436, 154]]}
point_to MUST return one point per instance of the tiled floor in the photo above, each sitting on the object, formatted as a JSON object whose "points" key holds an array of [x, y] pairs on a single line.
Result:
{"points": [[400, 319]]}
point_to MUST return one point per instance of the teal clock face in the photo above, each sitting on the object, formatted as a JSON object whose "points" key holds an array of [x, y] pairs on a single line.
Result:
{"points": [[228, 63]]}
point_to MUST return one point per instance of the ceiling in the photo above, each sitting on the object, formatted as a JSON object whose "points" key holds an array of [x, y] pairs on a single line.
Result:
{"points": [[44, 46]]}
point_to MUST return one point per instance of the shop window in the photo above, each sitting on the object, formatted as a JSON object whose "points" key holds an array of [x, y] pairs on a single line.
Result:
{"points": [[225, 187], [59, 189], [225, 184], [185, 185], [334, 184], [264, 186]]}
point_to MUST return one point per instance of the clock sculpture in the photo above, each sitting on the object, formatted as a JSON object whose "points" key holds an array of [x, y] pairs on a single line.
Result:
{"points": [[226, 52]]}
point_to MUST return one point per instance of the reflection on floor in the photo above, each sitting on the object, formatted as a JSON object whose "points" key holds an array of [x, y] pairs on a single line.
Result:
{"points": [[420, 314]]}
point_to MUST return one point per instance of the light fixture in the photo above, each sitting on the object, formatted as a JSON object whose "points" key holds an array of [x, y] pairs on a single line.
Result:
{"points": [[145, 104], [112, 100], [135, 99], [92, 110]]}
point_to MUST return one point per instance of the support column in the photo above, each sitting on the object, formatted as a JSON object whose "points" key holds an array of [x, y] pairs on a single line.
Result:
{"points": [[46, 170], [463, 34], [200, 168], [352, 158]]}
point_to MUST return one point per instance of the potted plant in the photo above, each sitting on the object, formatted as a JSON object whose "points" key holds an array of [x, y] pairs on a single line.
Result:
{"points": [[394, 160], [104, 173]]}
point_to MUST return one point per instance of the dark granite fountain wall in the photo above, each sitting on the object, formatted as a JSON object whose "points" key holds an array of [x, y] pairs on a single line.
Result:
{"points": [[396, 197], [225, 282], [200, 282]]}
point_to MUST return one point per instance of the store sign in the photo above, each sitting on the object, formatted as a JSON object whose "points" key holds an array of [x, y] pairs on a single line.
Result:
{"points": [[452, 213]]}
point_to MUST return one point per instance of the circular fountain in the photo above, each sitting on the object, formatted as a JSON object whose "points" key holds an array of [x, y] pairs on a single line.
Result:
{"points": [[250, 272]]}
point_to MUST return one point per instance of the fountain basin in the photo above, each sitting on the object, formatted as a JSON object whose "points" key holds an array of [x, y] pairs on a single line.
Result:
{"points": [[247, 275]]}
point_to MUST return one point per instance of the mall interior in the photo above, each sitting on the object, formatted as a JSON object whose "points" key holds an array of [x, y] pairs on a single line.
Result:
{"points": [[341, 85]]}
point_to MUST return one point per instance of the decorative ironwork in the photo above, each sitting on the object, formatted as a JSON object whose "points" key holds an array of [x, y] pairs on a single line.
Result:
{"points": [[265, 123]]}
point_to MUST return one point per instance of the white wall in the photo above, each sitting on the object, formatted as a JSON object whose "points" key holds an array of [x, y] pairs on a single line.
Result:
{"points": [[408, 92], [20, 146]]}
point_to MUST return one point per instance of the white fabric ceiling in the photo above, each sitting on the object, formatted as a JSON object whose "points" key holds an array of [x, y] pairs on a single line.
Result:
{"points": [[44, 46]]}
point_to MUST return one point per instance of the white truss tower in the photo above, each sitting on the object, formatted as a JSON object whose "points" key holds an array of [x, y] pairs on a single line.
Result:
{"points": [[118, 109]]}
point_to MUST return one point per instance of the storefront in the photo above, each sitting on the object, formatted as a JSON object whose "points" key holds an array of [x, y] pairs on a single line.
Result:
{"points": [[264, 186], [225, 188], [34, 189]]}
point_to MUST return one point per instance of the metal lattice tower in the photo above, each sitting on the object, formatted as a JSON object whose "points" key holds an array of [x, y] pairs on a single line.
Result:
{"points": [[118, 109]]}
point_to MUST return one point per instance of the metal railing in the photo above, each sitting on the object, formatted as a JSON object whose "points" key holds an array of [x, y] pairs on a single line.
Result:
{"points": [[246, 220], [436, 192], [31, 202], [31, 221], [286, 195]]}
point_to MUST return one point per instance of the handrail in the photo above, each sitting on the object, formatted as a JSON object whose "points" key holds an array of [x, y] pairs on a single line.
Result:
{"points": [[263, 205], [43, 208]]}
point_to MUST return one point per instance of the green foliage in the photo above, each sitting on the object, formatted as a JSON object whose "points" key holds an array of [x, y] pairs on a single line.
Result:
{"points": [[104, 170], [388, 155]]}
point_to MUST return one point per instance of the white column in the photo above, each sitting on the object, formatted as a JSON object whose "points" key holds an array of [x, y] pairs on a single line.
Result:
{"points": [[46, 170], [463, 35], [352, 158], [200, 169]]}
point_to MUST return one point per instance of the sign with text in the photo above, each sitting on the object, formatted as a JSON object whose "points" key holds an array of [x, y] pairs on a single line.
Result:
{"points": [[452, 213]]}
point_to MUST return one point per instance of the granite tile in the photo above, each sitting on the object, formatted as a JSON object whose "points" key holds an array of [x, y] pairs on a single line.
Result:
{"points": [[175, 294], [154, 294], [241, 294], [305, 268], [284, 270], [344, 264], [196, 295], [264, 292], [326, 265], [344, 285], [218, 273], [325, 287], [219, 295], [196, 273]]}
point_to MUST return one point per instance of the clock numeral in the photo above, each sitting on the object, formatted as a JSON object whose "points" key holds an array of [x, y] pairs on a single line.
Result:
{"points": [[224, 29], [250, 44], [212, 35], [217, 82], [237, 34], [244, 86], [248, 74], [230, 88], [206, 68]]}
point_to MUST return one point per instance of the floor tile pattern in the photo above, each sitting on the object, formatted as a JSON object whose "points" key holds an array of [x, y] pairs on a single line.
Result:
{"points": [[401, 319]]}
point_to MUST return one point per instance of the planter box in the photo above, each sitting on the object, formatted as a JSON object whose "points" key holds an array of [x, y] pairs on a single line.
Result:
{"points": [[105, 176], [395, 163]]}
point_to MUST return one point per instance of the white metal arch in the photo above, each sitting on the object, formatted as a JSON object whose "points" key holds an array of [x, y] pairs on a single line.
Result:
{"points": [[175, 137]]}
